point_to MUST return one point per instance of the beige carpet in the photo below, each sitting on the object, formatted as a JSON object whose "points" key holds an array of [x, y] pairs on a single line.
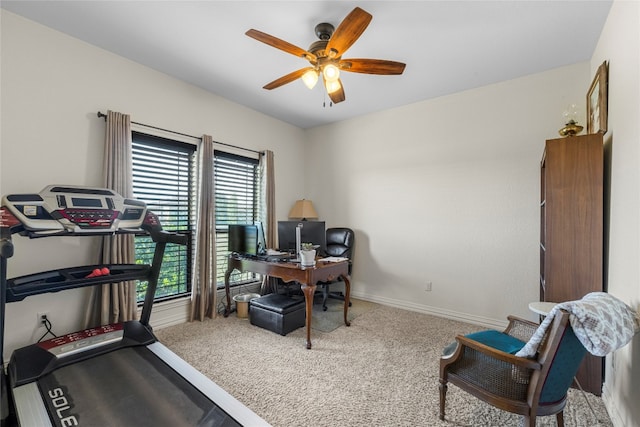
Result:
{"points": [[381, 371]]}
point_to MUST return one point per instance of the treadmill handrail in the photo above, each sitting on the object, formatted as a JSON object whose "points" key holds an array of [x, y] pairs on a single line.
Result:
{"points": [[169, 237], [18, 288]]}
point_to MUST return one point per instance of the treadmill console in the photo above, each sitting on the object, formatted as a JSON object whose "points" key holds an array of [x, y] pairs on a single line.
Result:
{"points": [[77, 342], [75, 209]]}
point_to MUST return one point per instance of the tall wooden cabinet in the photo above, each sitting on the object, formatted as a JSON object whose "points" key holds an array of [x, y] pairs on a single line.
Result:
{"points": [[571, 229]]}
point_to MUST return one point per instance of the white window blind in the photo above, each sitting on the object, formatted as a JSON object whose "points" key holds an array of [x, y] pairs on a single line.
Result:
{"points": [[163, 177], [236, 199]]}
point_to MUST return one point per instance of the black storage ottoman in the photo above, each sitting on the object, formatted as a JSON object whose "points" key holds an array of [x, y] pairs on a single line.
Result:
{"points": [[277, 313]]}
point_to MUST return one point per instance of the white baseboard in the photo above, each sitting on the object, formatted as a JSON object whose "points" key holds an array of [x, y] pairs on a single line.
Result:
{"points": [[170, 313], [612, 408], [435, 311], [177, 311]]}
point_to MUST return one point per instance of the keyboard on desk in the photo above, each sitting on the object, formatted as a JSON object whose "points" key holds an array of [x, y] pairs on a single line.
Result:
{"points": [[275, 258]]}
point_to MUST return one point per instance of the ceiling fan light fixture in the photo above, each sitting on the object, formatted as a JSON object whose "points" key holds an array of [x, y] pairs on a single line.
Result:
{"points": [[310, 78], [331, 73], [326, 55], [333, 86]]}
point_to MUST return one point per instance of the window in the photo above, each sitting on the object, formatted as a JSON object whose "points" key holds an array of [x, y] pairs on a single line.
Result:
{"points": [[236, 199], [164, 178]]}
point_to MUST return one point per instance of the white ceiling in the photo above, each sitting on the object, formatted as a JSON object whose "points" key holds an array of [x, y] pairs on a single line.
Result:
{"points": [[448, 46]]}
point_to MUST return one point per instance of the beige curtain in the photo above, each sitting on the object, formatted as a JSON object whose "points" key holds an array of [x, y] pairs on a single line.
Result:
{"points": [[116, 302], [268, 195], [268, 211], [203, 283]]}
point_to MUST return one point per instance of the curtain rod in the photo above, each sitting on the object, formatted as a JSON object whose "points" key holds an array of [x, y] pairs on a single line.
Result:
{"points": [[102, 115]]}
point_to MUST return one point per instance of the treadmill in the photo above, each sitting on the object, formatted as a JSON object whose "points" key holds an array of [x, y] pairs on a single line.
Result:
{"points": [[112, 375]]}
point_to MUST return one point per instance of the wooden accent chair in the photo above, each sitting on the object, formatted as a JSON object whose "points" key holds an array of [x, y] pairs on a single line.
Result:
{"points": [[529, 387]]}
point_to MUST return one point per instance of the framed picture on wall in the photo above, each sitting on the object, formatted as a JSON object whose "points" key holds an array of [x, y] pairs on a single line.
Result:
{"points": [[597, 101]]}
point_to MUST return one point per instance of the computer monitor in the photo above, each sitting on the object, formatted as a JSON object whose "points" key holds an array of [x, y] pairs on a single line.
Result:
{"points": [[311, 232], [262, 242], [243, 239]]}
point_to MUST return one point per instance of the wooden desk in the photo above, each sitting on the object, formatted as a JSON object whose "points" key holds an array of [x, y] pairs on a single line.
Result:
{"points": [[308, 277]]}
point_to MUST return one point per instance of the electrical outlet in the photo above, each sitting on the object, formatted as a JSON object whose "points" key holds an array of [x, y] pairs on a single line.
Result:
{"points": [[427, 287], [42, 317]]}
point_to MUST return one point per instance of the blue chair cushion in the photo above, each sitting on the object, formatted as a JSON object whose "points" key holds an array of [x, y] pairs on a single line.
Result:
{"points": [[494, 339], [498, 340]]}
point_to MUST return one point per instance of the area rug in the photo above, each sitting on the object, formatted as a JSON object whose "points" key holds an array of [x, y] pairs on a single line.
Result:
{"points": [[333, 318]]}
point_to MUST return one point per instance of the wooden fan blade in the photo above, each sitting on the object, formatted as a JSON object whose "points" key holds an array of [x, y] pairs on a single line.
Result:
{"points": [[280, 44], [372, 66], [287, 79], [338, 95], [349, 30]]}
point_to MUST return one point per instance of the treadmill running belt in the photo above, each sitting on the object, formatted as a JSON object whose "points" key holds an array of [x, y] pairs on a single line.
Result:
{"points": [[127, 387]]}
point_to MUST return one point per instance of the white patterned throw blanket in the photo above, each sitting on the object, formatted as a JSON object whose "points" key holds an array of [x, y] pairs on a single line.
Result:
{"points": [[600, 321]]}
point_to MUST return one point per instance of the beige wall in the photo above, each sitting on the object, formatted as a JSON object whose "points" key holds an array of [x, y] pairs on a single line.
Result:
{"points": [[446, 191], [52, 86], [620, 45]]}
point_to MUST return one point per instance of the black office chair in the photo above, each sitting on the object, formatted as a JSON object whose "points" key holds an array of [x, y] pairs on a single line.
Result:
{"points": [[340, 243]]}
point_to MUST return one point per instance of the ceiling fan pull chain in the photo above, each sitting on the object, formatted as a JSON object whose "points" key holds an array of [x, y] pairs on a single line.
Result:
{"points": [[324, 100]]}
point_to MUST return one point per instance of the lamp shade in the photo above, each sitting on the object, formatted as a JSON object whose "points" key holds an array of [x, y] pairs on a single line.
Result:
{"points": [[310, 78], [331, 73], [333, 86], [303, 209]]}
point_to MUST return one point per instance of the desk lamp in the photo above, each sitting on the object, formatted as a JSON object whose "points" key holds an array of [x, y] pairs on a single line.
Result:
{"points": [[303, 210]]}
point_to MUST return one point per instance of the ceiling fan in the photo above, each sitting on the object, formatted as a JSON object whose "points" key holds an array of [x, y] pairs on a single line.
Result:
{"points": [[325, 55]]}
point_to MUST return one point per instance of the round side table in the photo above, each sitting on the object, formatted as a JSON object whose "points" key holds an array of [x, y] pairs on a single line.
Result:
{"points": [[541, 307]]}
